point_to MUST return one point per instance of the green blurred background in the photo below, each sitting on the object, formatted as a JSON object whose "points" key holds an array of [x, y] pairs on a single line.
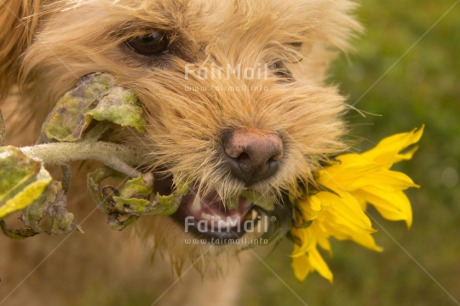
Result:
{"points": [[406, 77]]}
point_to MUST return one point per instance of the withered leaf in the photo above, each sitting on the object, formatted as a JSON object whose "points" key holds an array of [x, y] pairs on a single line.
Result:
{"points": [[22, 180], [132, 200], [97, 97], [48, 213]]}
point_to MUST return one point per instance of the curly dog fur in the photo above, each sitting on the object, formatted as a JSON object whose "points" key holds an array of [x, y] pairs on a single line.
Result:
{"points": [[47, 45]]}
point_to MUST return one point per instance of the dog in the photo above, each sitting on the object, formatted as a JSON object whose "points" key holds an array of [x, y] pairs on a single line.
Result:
{"points": [[236, 100]]}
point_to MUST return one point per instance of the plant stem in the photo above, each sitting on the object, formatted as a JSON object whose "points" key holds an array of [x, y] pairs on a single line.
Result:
{"points": [[116, 156]]}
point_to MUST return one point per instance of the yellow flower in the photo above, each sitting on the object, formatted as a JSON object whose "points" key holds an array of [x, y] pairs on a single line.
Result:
{"points": [[350, 184]]}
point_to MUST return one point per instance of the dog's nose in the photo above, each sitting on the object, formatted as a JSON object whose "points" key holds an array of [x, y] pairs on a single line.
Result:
{"points": [[253, 155]]}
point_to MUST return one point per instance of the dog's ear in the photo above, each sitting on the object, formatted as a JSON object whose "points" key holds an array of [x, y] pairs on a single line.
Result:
{"points": [[18, 22]]}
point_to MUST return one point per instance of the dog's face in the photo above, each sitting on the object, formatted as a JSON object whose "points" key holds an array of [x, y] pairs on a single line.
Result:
{"points": [[233, 90]]}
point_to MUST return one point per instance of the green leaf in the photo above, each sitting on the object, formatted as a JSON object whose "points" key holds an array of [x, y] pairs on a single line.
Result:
{"points": [[134, 199], [265, 202], [22, 180], [121, 107], [137, 187], [94, 97], [95, 179], [134, 196]]}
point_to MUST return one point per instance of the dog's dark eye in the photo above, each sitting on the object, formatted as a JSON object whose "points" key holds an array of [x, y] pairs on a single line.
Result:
{"points": [[296, 44], [276, 65], [151, 44], [281, 71]]}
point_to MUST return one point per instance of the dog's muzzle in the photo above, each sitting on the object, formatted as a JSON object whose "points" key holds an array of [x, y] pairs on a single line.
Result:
{"points": [[206, 217]]}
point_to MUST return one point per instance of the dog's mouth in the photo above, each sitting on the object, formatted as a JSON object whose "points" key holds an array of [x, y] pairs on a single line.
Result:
{"points": [[209, 218]]}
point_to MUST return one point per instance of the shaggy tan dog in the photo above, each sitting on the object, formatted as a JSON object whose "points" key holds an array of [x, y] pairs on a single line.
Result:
{"points": [[235, 97]]}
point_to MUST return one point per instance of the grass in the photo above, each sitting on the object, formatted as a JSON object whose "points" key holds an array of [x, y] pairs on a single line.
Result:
{"points": [[409, 77]]}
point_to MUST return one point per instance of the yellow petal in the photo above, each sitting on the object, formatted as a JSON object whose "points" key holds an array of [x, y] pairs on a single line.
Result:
{"points": [[387, 150], [393, 206], [349, 168], [307, 238], [344, 219], [317, 262], [344, 209], [356, 171], [311, 208], [324, 243], [388, 179], [407, 155], [301, 267]]}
